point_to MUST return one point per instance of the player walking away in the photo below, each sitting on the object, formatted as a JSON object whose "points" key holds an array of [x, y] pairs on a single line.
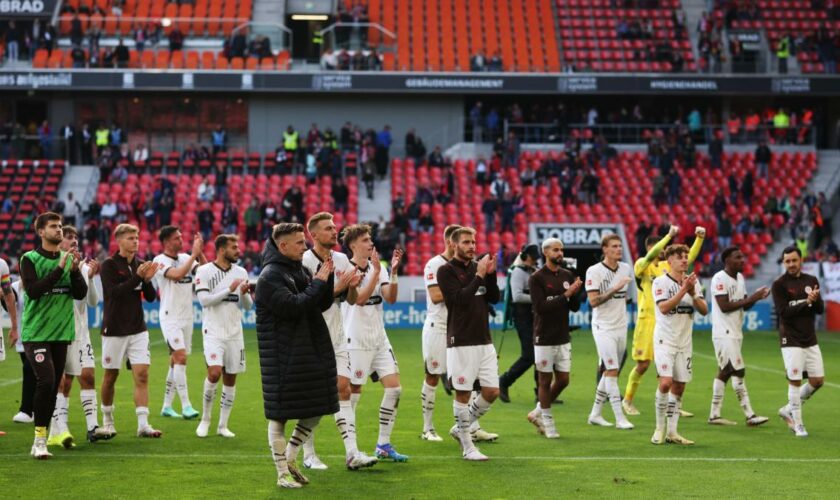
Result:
{"points": [[51, 280], [607, 283], [175, 282], [523, 317], [677, 296], [364, 325], [647, 269], [223, 291], [730, 302], [554, 293], [325, 237], [434, 334], [27, 386], [297, 361], [80, 360], [796, 296], [126, 280], [10, 306], [469, 289]]}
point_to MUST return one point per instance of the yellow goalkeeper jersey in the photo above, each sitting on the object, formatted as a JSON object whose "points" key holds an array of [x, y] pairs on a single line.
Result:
{"points": [[648, 269]]}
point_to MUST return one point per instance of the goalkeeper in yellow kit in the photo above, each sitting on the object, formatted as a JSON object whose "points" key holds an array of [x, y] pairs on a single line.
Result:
{"points": [[647, 269]]}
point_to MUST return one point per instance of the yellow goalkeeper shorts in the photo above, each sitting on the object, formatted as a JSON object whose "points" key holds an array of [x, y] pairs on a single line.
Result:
{"points": [[643, 339]]}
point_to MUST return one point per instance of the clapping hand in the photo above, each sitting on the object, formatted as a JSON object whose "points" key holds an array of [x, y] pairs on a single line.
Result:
{"points": [[814, 295], [93, 267], [77, 261], [374, 259], [689, 283], [624, 281], [395, 260], [326, 270], [198, 245], [245, 287], [762, 293], [573, 288]]}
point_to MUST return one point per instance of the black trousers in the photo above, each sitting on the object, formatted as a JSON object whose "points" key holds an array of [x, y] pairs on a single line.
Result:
{"points": [[524, 323], [27, 388], [47, 360]]}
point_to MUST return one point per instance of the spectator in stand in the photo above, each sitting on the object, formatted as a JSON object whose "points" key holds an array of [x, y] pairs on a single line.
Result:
{"points": [[119, 174], [763, 157], [230, 218], [116, 138], [293, 205], [252, 221], [206, 191], [781, 125], [488, 207], [121, 54], [436, 158], [724, 233], [341, 196], [141, 154], [109, 210], [45, 139], [499, 188], [221, 193], [719, 205], [383, 146], [477, 122], [733, 126], [220, 138], [659, 191], [495, 63], [492, 123], [512, 149], [481, 176], [190, 153], [424, 195], [674, 187], [140, 36], [716, 152], [478, 63], [206, 218], [589, 187], [77, 54], [508, 213], [751, 123], [567, 185], [176, 39], [747, 188], [689, 153], [783, 52]]}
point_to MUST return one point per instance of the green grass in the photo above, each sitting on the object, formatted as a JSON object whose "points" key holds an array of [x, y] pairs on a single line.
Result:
{"points": [[586, 461]]}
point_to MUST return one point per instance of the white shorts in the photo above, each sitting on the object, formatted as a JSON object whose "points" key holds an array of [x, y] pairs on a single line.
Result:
{"points": [[342, 363], [178, 335], [79, 356], [468, 363], [728, 351], [551, 358], [363, 363], [2, 346], [229, 354], [803, 359], [135, 348], [434, 348], [611, 347], [673, 363]]}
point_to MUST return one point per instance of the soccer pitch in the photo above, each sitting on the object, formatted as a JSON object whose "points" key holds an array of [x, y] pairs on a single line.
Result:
{"points": [[589, 461]]}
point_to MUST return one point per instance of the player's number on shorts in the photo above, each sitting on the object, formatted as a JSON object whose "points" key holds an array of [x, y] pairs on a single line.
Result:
{"points": [[688, 365], [242, 357]]}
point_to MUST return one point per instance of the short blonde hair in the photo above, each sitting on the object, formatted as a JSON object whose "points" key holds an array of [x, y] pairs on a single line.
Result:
{"points": [[449, 231], [456, 235], [676, 249], [123, 229], [315, 219], [354, 232], [608, 238]]}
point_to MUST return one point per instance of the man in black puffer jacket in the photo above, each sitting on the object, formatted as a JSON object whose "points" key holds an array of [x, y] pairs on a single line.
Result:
{"points": [[297, 361]]}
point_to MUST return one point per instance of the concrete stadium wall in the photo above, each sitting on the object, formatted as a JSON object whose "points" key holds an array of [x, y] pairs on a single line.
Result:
{"points": [[437, 119]]}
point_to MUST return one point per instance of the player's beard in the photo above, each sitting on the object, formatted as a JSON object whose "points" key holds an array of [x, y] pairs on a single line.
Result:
{"points": [[54, 240], [557, 262]]}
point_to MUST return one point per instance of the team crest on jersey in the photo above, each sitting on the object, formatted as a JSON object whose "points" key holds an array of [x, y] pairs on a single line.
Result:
{"points": [[808, 289], [213, 356], [107, 360], [430, 276], [610, 361], [360, 374], [659, 292], [461, 380], [720, 287], [588, 282], [795, 371], [39, 358], [435, 364], [543, 363], [198, 281], [566, 285], [664, 367]]}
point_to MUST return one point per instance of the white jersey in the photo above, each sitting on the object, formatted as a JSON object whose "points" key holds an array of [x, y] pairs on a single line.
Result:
{"points": [[435, 313], [5, 278], [673, 329], [80, 307], [223, 317], [364, 325], [612, 314], [19, 296], [176, 297], [727, 325], [332, 315]]}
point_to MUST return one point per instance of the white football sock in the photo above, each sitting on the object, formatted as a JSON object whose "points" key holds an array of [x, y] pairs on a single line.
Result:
{"points": [[611, 386], [309, 446], [277, 443], [354, 399], [302, 431], [57, 423], [740, 389], [180, 376], [427, 400], [478, 408], [345, 420], [600, 397], [462, 422], [169, 393], [718, 390], [226, 404], [674, 403], [107, 415], [547, 418], [209, 397], [142, 416], [795, 404], [88, 397], [388, 413], [806, 391], [64, 412], [661, 409]]}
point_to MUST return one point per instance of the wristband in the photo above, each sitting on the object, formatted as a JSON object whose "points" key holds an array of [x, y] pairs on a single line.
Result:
{"points": [[394, 279]]}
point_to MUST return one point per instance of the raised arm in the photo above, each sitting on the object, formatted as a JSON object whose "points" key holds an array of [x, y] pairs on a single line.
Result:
{"points": [[111, 283], [694, 251]]}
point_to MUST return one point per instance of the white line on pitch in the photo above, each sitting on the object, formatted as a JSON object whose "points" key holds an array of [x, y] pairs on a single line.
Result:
{"points": [[10, 382], [767, 370], [457, 457]]}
